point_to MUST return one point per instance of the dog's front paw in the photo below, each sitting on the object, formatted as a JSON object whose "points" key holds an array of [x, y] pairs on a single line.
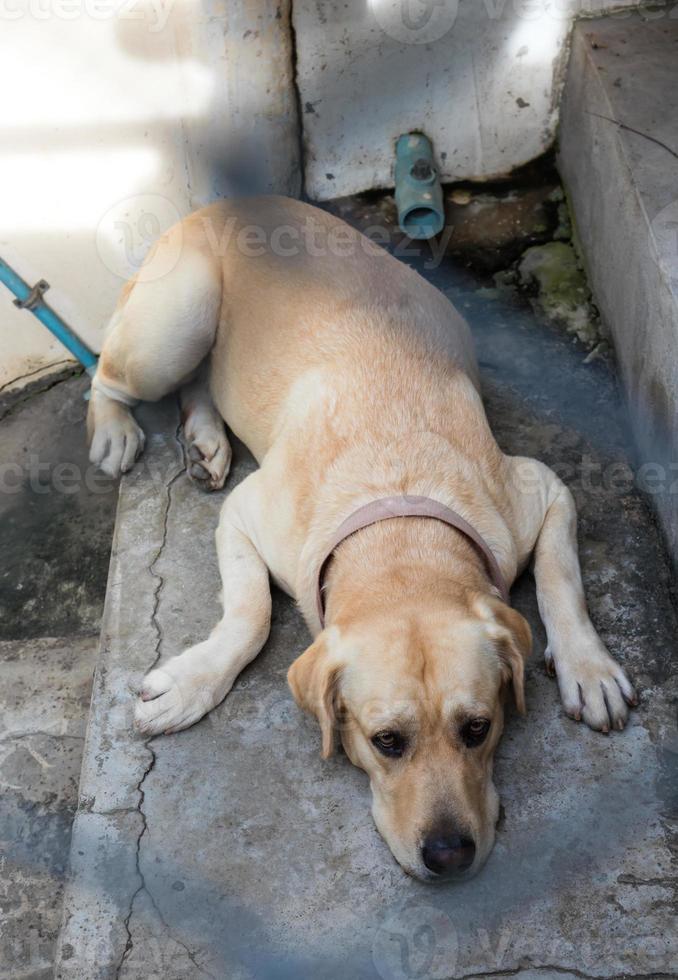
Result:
{"points": [[117, 443], [593, 687], [178, 693]]}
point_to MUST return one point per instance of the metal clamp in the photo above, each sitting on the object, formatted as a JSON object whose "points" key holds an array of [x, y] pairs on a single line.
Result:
{"points": [[34, 298]]}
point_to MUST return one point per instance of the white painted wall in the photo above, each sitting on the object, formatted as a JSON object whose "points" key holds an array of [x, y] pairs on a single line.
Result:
{"points": [[481, 77], [118, 117]]}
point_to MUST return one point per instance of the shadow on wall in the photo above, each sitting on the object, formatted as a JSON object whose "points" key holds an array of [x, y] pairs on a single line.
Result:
{"points": [[121, 121]]}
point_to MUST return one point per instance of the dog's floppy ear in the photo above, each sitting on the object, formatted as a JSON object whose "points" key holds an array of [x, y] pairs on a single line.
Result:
{"points": [[314, 681], [513, 636]]}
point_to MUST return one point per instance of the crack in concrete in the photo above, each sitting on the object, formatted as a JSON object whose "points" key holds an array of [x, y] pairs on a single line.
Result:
{"points": [[88, 807], [294, 57], [157, 593], [16, 400], [638, 132], [193, 957], [129, 944], [12, 736], [669, 882], [31, 374], [565, 971]]}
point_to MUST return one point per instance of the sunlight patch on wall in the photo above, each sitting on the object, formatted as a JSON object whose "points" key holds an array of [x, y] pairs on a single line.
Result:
{"points": [[66, 189]]}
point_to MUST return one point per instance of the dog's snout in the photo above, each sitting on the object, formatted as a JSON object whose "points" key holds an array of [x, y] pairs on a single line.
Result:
{"points": [[448, 853]]}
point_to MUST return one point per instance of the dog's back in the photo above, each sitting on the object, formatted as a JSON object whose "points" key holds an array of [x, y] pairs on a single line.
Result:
{"points": [[304, 292]]}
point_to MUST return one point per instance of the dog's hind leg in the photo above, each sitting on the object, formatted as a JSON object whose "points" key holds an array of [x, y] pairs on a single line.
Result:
{"points": [[163, 328], [179, 692], [207, 447]]}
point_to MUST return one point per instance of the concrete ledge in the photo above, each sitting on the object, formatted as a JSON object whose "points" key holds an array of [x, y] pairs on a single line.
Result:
{"points": [[618, 157], [232, 851]]}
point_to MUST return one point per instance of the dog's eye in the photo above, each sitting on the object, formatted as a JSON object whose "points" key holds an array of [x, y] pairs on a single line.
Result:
{"points": [[389, 743], [475, 731]]}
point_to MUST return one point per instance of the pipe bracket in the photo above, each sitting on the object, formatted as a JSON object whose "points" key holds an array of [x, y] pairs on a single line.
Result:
{"points": [[34, 298]]}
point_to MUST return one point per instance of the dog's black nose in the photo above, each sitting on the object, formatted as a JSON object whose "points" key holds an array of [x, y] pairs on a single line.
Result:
{"points": [[448, 854]]}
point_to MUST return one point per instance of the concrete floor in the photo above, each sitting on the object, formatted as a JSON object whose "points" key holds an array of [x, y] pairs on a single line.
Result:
{"points": [[232, 851], [56, 522]]}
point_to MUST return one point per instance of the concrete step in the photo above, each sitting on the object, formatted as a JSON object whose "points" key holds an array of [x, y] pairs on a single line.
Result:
{"points": [[232, 850], [619, 160]]}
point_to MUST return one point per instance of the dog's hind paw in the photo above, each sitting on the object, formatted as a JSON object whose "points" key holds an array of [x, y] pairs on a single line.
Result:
{"points": [[209, 457]]}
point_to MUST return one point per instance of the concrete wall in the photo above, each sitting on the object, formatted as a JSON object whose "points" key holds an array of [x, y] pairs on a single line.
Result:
{"points": [[126, 114], [623, 185], [481, 77], [120, 116]]}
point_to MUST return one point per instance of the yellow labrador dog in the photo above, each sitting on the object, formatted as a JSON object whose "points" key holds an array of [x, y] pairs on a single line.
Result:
{"points": [[382, 504]]}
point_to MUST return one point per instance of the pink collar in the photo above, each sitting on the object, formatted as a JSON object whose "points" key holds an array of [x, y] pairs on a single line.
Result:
{"points": [[388, 507]]}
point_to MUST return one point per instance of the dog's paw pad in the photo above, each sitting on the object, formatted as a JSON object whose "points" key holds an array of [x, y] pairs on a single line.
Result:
{"points": [[209, 460]]}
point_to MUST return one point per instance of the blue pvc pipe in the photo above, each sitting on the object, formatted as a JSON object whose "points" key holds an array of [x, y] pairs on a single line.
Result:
{"points": [[418, 194], [47, 317]]}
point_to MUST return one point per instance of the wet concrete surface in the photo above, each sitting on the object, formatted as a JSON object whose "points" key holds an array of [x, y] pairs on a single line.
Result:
{"points": [[56, 514], [56, 524], [45, 695], [231, 850]]}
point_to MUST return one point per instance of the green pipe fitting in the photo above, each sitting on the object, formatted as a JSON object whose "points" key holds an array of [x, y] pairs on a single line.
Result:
{"points": [[418, 194]]}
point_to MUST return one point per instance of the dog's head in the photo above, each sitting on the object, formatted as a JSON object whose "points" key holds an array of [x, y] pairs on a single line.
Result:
{"points": [[417, 702]]}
